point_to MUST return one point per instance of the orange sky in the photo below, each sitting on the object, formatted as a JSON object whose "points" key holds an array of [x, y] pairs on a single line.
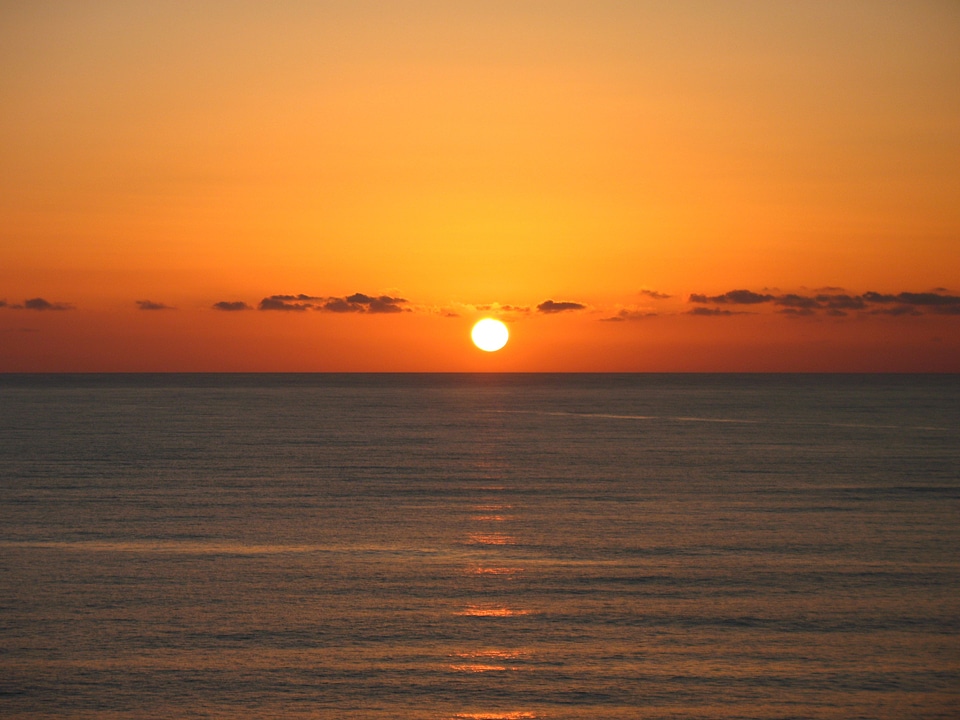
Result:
{"points": [[470, 157]]}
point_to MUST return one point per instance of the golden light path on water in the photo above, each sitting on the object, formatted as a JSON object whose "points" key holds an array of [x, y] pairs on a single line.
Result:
{"points": [[484, 531]]}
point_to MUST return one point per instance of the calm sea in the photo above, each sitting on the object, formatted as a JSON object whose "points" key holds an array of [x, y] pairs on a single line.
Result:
{"points": [[430, 547]]}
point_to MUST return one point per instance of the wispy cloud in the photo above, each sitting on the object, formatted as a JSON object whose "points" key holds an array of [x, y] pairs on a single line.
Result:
{"points": [[38, 304], [935, 300], [896, 311], [841, 302], [360, 303], [503, 311], [796, 302], [714, 312], [497, 307], [838, 304], [551, 307], [797, 312], [231, 306], [150, 305], [356, 303], [628, 315], [654, 295], [289, 303], [734, 297]]}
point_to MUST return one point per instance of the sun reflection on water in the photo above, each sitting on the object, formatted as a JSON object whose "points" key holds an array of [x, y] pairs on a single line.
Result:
{"points": [[504, 654], [487, 514], [506, 572], [515, 715], [480, 668], [491, 611], [491, 539], [488, 661]]}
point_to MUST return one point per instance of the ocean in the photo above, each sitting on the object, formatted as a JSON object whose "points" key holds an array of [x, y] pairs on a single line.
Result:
{"points": [[479, 547]]}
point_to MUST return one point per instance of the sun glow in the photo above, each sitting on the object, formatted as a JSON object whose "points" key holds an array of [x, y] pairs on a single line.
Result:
{"points": [[490, 335]]}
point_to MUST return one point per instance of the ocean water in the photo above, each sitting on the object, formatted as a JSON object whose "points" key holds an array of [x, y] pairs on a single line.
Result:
{"points": [[506, 547]]}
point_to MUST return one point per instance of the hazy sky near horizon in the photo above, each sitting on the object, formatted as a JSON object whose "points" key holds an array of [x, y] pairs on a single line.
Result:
{"points": [[350, 185]]}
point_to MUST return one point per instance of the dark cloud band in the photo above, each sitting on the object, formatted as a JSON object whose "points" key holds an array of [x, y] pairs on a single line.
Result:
{"points": [[38, 304], [734, 297], [356, 303], [231, 306], [837, 304], [550, 307], [150, 305], [654, 295]]}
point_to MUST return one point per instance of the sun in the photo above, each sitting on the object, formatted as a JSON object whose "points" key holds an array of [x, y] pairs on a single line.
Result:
{"points": [[490, 335]]}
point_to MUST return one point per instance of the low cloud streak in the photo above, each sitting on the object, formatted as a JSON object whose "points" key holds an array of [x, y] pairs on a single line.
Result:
{"points": [[838, 304], [714, 312], [551, 307], [630, 315], [654, 295], [231, 306], [734, 297], [356, 303], [150, 305], [38, 304]]}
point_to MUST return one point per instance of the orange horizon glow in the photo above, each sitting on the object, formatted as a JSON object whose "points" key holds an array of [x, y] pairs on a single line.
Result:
{"points": [[630, 187]]}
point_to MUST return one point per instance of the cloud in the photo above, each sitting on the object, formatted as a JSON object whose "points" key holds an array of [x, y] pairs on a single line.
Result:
{"points": [[841, 302], [653, 294], [3, 303], [909, 298], [228, 306], [381, 304], [713, 312], [799, 302], [356, 303], [301, 296], [875, 297], [627, 315], [837, 304], [40, 304], [897, 311], [290, 303], [360, 303], [939, 303], [734, 297], [497, 307], [456, 308], [550, 307], [338, 305], [284, 303], [150, 305]]}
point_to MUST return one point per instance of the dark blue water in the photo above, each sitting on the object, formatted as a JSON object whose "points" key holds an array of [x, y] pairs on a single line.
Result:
{"points": [[476, 546]]}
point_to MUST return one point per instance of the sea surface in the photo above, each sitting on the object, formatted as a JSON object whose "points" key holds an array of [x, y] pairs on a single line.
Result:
{"points": [[479, 547]]}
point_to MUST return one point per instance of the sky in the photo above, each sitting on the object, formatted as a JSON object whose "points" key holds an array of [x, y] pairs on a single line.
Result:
{"points": [[350, 186]]}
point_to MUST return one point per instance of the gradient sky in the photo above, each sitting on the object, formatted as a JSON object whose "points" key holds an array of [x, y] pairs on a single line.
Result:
{"points": [[340, 186]]}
